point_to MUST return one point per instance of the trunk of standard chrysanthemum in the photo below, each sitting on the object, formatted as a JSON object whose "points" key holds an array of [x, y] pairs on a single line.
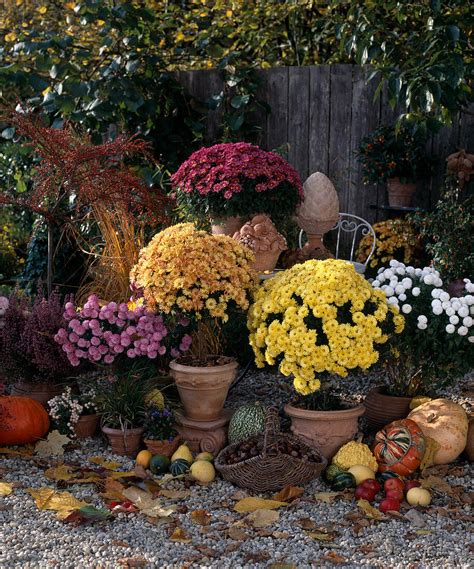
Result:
{"points": [[49, 270]]}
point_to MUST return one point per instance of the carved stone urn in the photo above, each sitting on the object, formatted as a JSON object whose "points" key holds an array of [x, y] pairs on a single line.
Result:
{"points": [[319, 211]]}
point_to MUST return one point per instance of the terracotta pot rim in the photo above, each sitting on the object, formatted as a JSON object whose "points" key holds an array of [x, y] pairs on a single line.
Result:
{"points": [[89, 415], [132, 431], [160, 441], [357, 411], [379, 390], [231, 364], [397, 181]]}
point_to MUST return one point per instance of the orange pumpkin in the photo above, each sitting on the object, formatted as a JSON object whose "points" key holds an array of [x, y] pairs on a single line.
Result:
{"points": [[22, 420], [400, 447]]}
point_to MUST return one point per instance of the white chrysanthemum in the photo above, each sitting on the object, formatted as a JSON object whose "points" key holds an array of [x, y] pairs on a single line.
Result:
{"points": [[438, 282], [407, 283], [422, 318], [435, 293], [436, 302], [393, 263], [444, 296], [428, 279], [449, 311], [402, 297], [462, 330], [422, 326], [437, 310], [401, 271], [406, 308], [388, 273], [450, 329], [399, 289], [392, 300], [376, 283], [416, 291], [410, 270], [393, 283], [471, 339], [467, 321], [469, 298], [418, 272], [388, 290], [456, 305], [454, 319], [463, 311], [446, 304]]}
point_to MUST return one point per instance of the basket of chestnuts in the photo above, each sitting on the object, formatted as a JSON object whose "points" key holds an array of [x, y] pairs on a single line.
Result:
{"points": [[270, 461]]}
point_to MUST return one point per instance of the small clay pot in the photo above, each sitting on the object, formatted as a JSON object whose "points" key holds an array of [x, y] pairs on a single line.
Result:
{"points": [[41, 392], [382, 409], [125, 442], [326, 431], [399, 193], [87, 426], [165, 448]]}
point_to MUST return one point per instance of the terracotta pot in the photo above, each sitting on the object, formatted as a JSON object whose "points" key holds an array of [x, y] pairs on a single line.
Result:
{"points": [[326, 431], [41, 392], [382, 409], [166, 448], [400, 194], [87, 426], [265, 260], [226, 225], [203, 390], [125, 442]]}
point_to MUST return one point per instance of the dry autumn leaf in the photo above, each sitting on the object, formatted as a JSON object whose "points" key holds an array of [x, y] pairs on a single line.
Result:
{"points": [[180, 535], [251, 504], [431, 448], [113, 490], [263, 518], [320, 536], [147, 504], [369, 510], [436, 483], [49, 499], [334, 558], [201, 517], [23, 452], [53, 445], [5, 489], [237, 534], [326, 497], [175, 494], [62, 472], [288, 494], [306, 523]]}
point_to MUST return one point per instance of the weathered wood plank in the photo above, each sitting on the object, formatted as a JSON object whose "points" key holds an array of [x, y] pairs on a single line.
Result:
{"points": [[444, 143], [277, 98], [340, 131], [298, 119], [365, 118], [319, 109]]}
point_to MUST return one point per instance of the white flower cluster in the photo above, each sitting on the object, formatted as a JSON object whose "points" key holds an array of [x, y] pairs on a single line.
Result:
{"points": [[402, 285], [65, 409]]}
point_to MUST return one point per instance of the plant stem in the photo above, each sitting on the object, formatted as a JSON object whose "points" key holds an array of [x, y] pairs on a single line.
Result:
{"points": [[49, 274]]}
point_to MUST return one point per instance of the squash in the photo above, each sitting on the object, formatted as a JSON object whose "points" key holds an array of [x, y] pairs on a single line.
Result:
{"points": [[382, 476], [22, 420], [159, 464], [361, 472], [331, 471], [179, 466], [353, 453], [182, 452], [446, 422], [342, 481], [399, 447], [246, 422], [418, 497]]}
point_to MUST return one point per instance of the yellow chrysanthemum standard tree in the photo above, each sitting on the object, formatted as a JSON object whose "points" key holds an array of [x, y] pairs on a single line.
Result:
{"points": [[318, 317]]}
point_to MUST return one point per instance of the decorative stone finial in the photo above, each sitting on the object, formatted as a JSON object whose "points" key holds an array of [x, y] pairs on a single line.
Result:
{"points": [[319, 211]]}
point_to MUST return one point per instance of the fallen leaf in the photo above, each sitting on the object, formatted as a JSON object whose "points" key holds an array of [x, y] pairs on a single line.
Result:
{"points": [[140, 472], [50, 499], [120, 543], [320, 536], [118, 474], [53, 445], [415, 518], [436, 483], [230, 547], [369, 510], [431, 448], [263, 518], [60, 472], [306, 523], [251, 504], [180, 535], [257, 557], [237, 534], [334, 557], [207, 551], [366, 548], [87, 515], [288, 494], [326, 497], [239, 495], [457, 471], [282, 566], [5, 489], [25, 452], [133, 562], [280, 535], [175, 494], [424, 532], [113, 490], [147, 504], [108, 465], [201, 517]]}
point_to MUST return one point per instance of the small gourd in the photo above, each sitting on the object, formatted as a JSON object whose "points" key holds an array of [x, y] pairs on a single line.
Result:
{"points": [[400, 447], [361, 472], [179, 466], [331, 471], [353, 453], [382, 476], [418, 497], [159, 464], [342, 481], [182, 452]]}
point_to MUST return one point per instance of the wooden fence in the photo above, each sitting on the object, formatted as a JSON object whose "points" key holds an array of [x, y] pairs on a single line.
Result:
{"points": [[322, 113]]}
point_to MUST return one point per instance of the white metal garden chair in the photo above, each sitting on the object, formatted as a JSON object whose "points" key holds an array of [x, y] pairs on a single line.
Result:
{"points": [[355, 227]]}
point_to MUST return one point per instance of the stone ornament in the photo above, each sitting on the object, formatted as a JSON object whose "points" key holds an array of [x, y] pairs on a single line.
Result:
{"points": [[261, 235], [462, 164], [319, 211]]}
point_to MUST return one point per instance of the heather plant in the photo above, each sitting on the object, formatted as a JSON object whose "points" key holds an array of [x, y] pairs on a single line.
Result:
{"points": [[114, 332], [28, 350], [237, 179]]}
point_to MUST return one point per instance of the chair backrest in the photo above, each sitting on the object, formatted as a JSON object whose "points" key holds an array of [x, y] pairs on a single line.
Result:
{"points": [[355, 227]]}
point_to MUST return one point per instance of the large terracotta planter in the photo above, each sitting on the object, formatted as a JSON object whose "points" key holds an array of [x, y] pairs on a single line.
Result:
{"points": [[87, 426], [265, 260], [326, 431], [226, 225], [125, 442], [382, 409], [203, 390], [41, 392], [399, 194], [165, 448]]}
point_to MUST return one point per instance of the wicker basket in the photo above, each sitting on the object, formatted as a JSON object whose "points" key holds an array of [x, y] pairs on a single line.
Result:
{"points": [[270, 471]]}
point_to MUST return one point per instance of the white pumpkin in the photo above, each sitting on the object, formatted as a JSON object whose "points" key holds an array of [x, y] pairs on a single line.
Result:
{"points": [[446, 422]]}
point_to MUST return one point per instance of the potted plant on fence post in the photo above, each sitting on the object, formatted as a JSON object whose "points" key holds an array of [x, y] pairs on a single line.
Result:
{"points": [[161, 436], [231, 182], [395, 156], [320, 317], [29, 355], [125, 340], [435, 346], [206, 277]]}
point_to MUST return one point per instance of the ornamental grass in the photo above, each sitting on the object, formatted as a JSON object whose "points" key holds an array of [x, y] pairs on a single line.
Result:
{"points": [[320, 316]]}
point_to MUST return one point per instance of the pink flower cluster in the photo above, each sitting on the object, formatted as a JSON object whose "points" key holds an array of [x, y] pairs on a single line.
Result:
{"points": [[224, 168], [100, 334]]}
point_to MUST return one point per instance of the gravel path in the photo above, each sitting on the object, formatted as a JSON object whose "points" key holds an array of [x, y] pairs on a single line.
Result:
{"points": [[440, 536]]}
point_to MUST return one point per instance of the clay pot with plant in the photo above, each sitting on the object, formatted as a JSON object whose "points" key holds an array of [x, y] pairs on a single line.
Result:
{"points": [[161, 436]]}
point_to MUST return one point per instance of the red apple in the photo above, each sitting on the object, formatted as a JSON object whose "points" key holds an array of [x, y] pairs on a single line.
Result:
{"points": [[363, 493], [394, 495], [372, 484], [389, 505], [409, 484], [394, 484]]}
